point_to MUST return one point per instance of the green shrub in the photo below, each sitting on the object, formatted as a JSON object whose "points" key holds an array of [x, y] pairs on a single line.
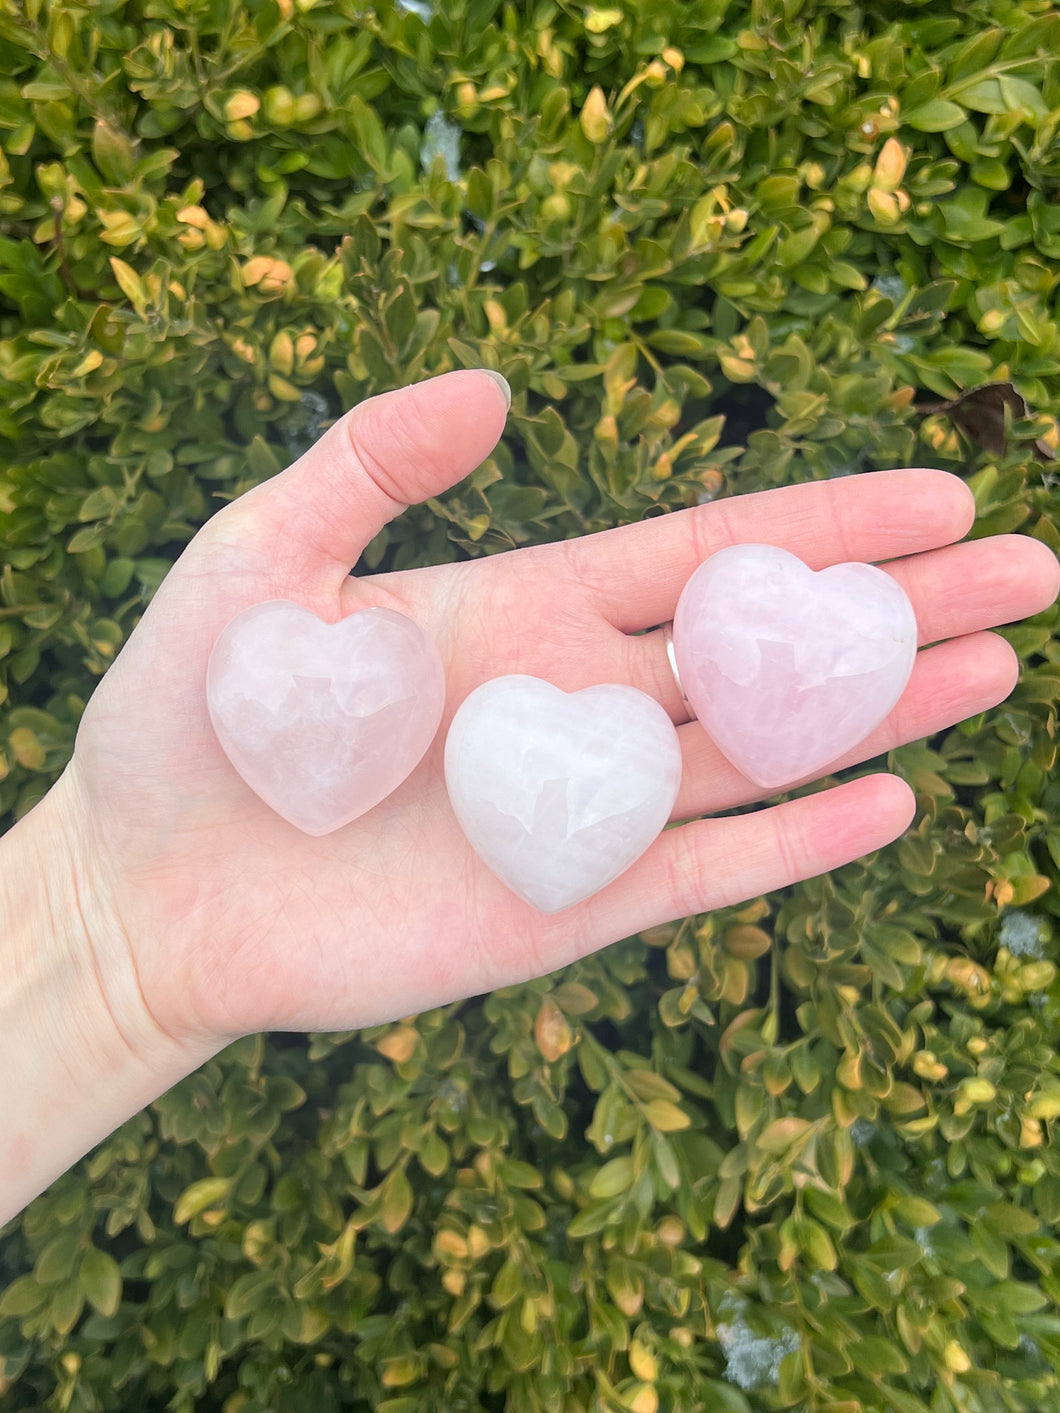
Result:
{"points": [[800, 1154]]}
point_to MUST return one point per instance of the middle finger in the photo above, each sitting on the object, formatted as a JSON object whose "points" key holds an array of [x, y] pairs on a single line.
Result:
{"points": [[950, 682]]}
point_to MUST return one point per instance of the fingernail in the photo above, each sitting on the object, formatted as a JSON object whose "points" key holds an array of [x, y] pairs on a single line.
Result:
{"points": [[502, 383]]}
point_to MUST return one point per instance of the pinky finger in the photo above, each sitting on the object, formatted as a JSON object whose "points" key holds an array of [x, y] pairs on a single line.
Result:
{"points": [[714, 863]]}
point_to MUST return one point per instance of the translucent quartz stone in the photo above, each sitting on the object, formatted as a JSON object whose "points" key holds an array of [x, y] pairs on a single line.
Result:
{"points": [[788, 669], [559, 793], [324, 720]]}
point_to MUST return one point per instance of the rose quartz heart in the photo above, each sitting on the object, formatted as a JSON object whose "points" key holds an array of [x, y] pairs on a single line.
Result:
{"points": [[788, 669], [324, 720], [559, 792]]}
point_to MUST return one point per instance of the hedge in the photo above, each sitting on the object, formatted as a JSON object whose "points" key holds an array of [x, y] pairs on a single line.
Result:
{"points": [[800, 1154]]}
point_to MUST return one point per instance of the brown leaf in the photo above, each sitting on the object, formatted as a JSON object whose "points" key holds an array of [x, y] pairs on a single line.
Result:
{"points": [[980, 414]]}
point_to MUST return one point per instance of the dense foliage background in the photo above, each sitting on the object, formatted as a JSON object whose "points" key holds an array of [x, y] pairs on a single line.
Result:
{"points": [[801, 1154]]}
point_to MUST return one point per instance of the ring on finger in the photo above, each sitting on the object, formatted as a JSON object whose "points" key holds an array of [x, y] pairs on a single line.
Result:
{"points": [[671, 658]]}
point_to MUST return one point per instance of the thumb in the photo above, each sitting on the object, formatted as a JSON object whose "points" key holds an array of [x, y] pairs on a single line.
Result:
{"points": [[382, 456]]}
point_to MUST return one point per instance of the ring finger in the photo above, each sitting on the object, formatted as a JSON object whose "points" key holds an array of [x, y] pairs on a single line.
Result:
{"points": [[950, 682]]}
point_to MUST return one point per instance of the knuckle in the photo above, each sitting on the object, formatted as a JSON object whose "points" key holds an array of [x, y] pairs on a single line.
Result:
{"points": [[396, 448], [690, 881], [363, 436]]}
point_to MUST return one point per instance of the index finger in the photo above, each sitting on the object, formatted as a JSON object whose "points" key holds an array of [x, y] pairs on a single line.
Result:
{"points": [[634, 574]]}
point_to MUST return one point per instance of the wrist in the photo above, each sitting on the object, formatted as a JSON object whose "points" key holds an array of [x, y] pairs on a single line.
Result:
{"points": [[79, 1049]]}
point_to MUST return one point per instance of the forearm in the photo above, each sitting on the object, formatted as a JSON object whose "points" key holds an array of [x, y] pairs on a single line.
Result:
{"points": [[78, 1052]]}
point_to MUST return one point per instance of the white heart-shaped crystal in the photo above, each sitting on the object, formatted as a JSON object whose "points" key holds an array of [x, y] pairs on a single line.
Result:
{"points": [[788, 669], [559, 793], [324, 720]]}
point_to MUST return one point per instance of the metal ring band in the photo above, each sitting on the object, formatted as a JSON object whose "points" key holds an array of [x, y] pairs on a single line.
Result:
{"points": [[671, 657]]}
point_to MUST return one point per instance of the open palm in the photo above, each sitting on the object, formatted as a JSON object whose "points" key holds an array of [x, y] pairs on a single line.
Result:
{"points": [[227, 920]]}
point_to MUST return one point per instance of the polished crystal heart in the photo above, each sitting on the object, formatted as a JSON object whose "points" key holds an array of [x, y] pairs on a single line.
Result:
{"points": [[324, 720], [559, 793], [786, 668]]}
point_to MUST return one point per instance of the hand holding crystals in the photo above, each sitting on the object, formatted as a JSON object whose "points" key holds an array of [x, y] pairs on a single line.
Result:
{"points": [[218, 918]]}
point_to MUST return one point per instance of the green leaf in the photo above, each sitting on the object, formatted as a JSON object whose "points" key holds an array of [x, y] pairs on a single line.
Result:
{"points": [[613, 1178], [1021, 96], [680, 342], [1038, 38], [519, 1174], [575, 999], [937, 116], [112, 153], [983, 96], [87, 538], [66, 1306], [1008, 1220], [397, 1201], [592, 1219], [722, 1397], [57, 1260], [846, 276], [479, 194], [666, 1161], [368, 130], [830, 1209], [103, 501], [1046, 1199], [975, 55], [207, 1192], [965, 216], [791, 1378], [249, 1292], [262, 458], [1019, 1298], [781, 1134], [795, 248], [595, 117], [992, 1250], [902, 1402], [895, 1253], [22, 1297], [875, 1356], [129, 282], [101, 1282], [931, 297], [665, 1116], [816, 1244], [509, 1283], [713, 50], [917, 1211], [434, 1155], [648, 1084]]}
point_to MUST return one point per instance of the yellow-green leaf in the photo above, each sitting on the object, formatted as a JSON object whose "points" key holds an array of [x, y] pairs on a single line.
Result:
{"points": [[596, 120], [397, 1201], [614, 1177], [598, 20], [130, 283], [665, 1116], [101, 1282], [781, 1134], [22, 1297], [200, 1195]]}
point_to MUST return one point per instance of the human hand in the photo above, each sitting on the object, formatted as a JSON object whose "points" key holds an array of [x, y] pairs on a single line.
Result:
{"points": [[152, 907], [219, 918]]}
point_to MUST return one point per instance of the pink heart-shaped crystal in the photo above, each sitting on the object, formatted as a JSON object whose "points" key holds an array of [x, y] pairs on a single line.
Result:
{"points": [[788, 669], [324, 720]]}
